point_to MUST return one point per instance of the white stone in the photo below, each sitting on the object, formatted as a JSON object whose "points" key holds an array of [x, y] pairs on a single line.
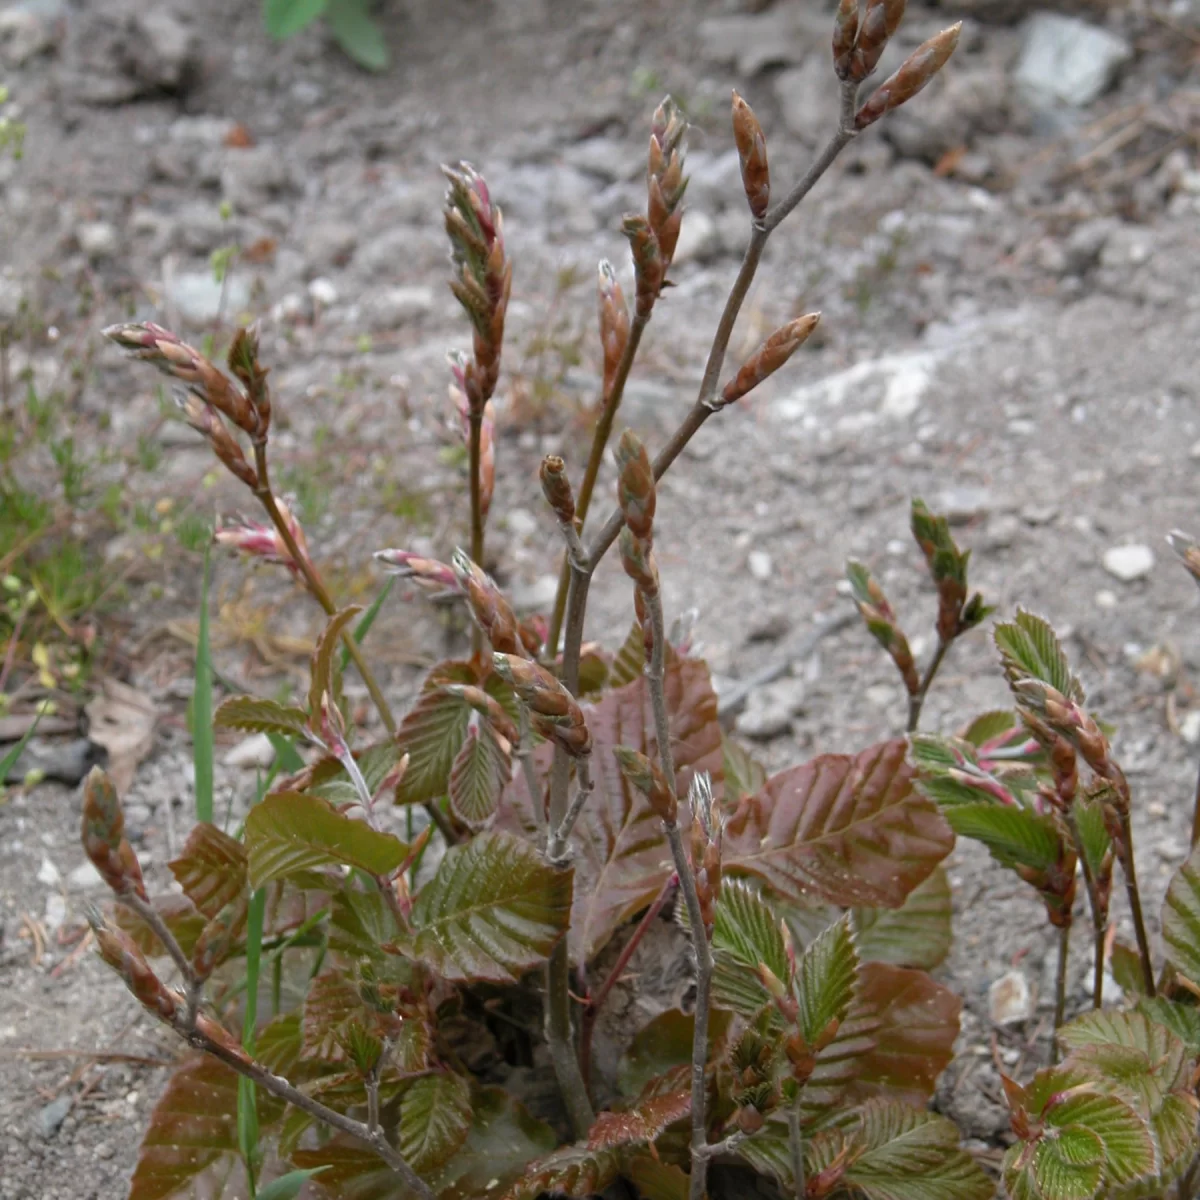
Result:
{"points": [[254, 751], [1189, 727], [894, 384], [48, 873], [84, 877], [1010, 999], [759, 563], [197, 296], [323, 292], [97, 239], [881, 695], [1129, 562], [699, 239], [522, 523], [56, 912], [398, 306], [537, 596], [1067, 61]]}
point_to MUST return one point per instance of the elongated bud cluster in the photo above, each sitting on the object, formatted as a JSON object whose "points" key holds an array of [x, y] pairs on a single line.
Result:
{"points": [[482, 277], [165, 350], [120, 951], [913, 74], [556, 487], [490, 609], [635, 485], [487, 706], [1071, 721], [948, 569], [103, 836], [754, 1089], [556, 713], [801, 1056], [882, 622], [859, 45], [770, 356], [426, 573], [648, 778], [665, 179], [637, 558], [707, 831], [205, 420], [265, 541], [649, 266], [1189, 552], [460, 367], [218, 937], [243, 362], [614, 323], [752, 154]]}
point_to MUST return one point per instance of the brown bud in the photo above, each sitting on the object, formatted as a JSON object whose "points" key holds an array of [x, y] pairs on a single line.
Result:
{"points": [[556, 487], [770, 356], [914, 73], [491, 610], [614, 323], [649, 267], [243, 362], [556, 713], [635, 485], [637, 557], [845, 30], [120, 951], [217, 938], [752, 153], [103, 836], [881, 20], [641, 609], [648, 778], [1189, 552], [488, 706]]}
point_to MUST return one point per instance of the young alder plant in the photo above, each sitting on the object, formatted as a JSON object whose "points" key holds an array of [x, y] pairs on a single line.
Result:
{"points": [[573, 797], [1038, 785]]}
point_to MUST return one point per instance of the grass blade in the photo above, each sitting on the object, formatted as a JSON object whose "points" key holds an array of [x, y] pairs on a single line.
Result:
{"points": [[9, 760], [202, 711], [368, 619], [247, 1110]]}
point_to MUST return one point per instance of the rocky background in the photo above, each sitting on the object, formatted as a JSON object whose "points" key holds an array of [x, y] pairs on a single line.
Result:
{"points": [[1007, 274]]}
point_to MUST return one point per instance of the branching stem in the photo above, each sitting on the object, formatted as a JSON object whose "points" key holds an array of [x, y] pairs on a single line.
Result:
{"points": [[1060, 981], [1124, 847], [917, 700], [1099, 915]]}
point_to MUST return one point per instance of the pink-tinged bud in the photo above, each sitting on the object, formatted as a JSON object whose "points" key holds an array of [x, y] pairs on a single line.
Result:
{"points": [[243, 362], [490, 609], [637, 559], [556, 713], [488, 706], [649, 265], [427, 573], [752, 153], [770, 356], [103, 836], [265, 541], [120, 951], [205, 419], [556, 487], [914, 73], [647, 777], [636, 491], [614, 323], [845, 30], [881, 20]]}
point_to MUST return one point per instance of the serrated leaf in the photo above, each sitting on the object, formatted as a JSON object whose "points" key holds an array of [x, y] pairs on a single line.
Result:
{"points": [[181, 916], [646, 1118], [1126, 966], [1015, 837], [621, 858], [211, 869], [435, 1116], [853, 830], [990, 725], [745, 933], [358, 34], [918, 934], [360, 923], [291, 832], [630, 661], [261, 716], [283, 18], [1163, 1053], [279, 1044], [1030, 649], [897, 1038], [331, 781], [911, 1155], [744, 775], [1183, 1020], [570, 1171], [1181, 918], [502, 1139], [1093, 833], [323, 668], [480, 772], [664, 1043], [825, 980], [656, 1180], [191, 1144], [494, 909]]}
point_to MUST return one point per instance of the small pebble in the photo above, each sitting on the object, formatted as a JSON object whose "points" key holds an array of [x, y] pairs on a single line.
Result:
{"points": [[1129, 562], [51, 1116], [1106, 599], [254, 751], [1010, 999], [48, 873], [882, 695], [85, 876], [1189, 727], [323, 292], [760, 565]]}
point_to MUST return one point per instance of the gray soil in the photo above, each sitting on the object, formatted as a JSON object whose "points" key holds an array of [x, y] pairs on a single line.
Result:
{"points": [[1011, 337]]}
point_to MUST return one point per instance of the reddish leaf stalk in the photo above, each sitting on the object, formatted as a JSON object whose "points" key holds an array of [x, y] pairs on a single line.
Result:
{"points": [[1060, 982], [596, 1002], [1099, 915], [475, 419]]}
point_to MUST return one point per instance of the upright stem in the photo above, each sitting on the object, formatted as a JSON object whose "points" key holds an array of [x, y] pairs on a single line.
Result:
{"points": [[475, 424], [917, 700], [1060, 982], [1099, 916], [320, 593], [796, 1140], [1124, 848], [600, 436]]}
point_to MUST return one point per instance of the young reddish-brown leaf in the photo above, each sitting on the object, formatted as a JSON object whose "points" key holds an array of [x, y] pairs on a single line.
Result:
{"points": [[190, 1146], [480, 772], [494, 909], [853, 830], [645, 1119], [897, 1038], [620, 856], [291, 832], [211, 869], [571, 1171], [502, 1139], [261, 716], [435, 1117], [918, 934]]}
